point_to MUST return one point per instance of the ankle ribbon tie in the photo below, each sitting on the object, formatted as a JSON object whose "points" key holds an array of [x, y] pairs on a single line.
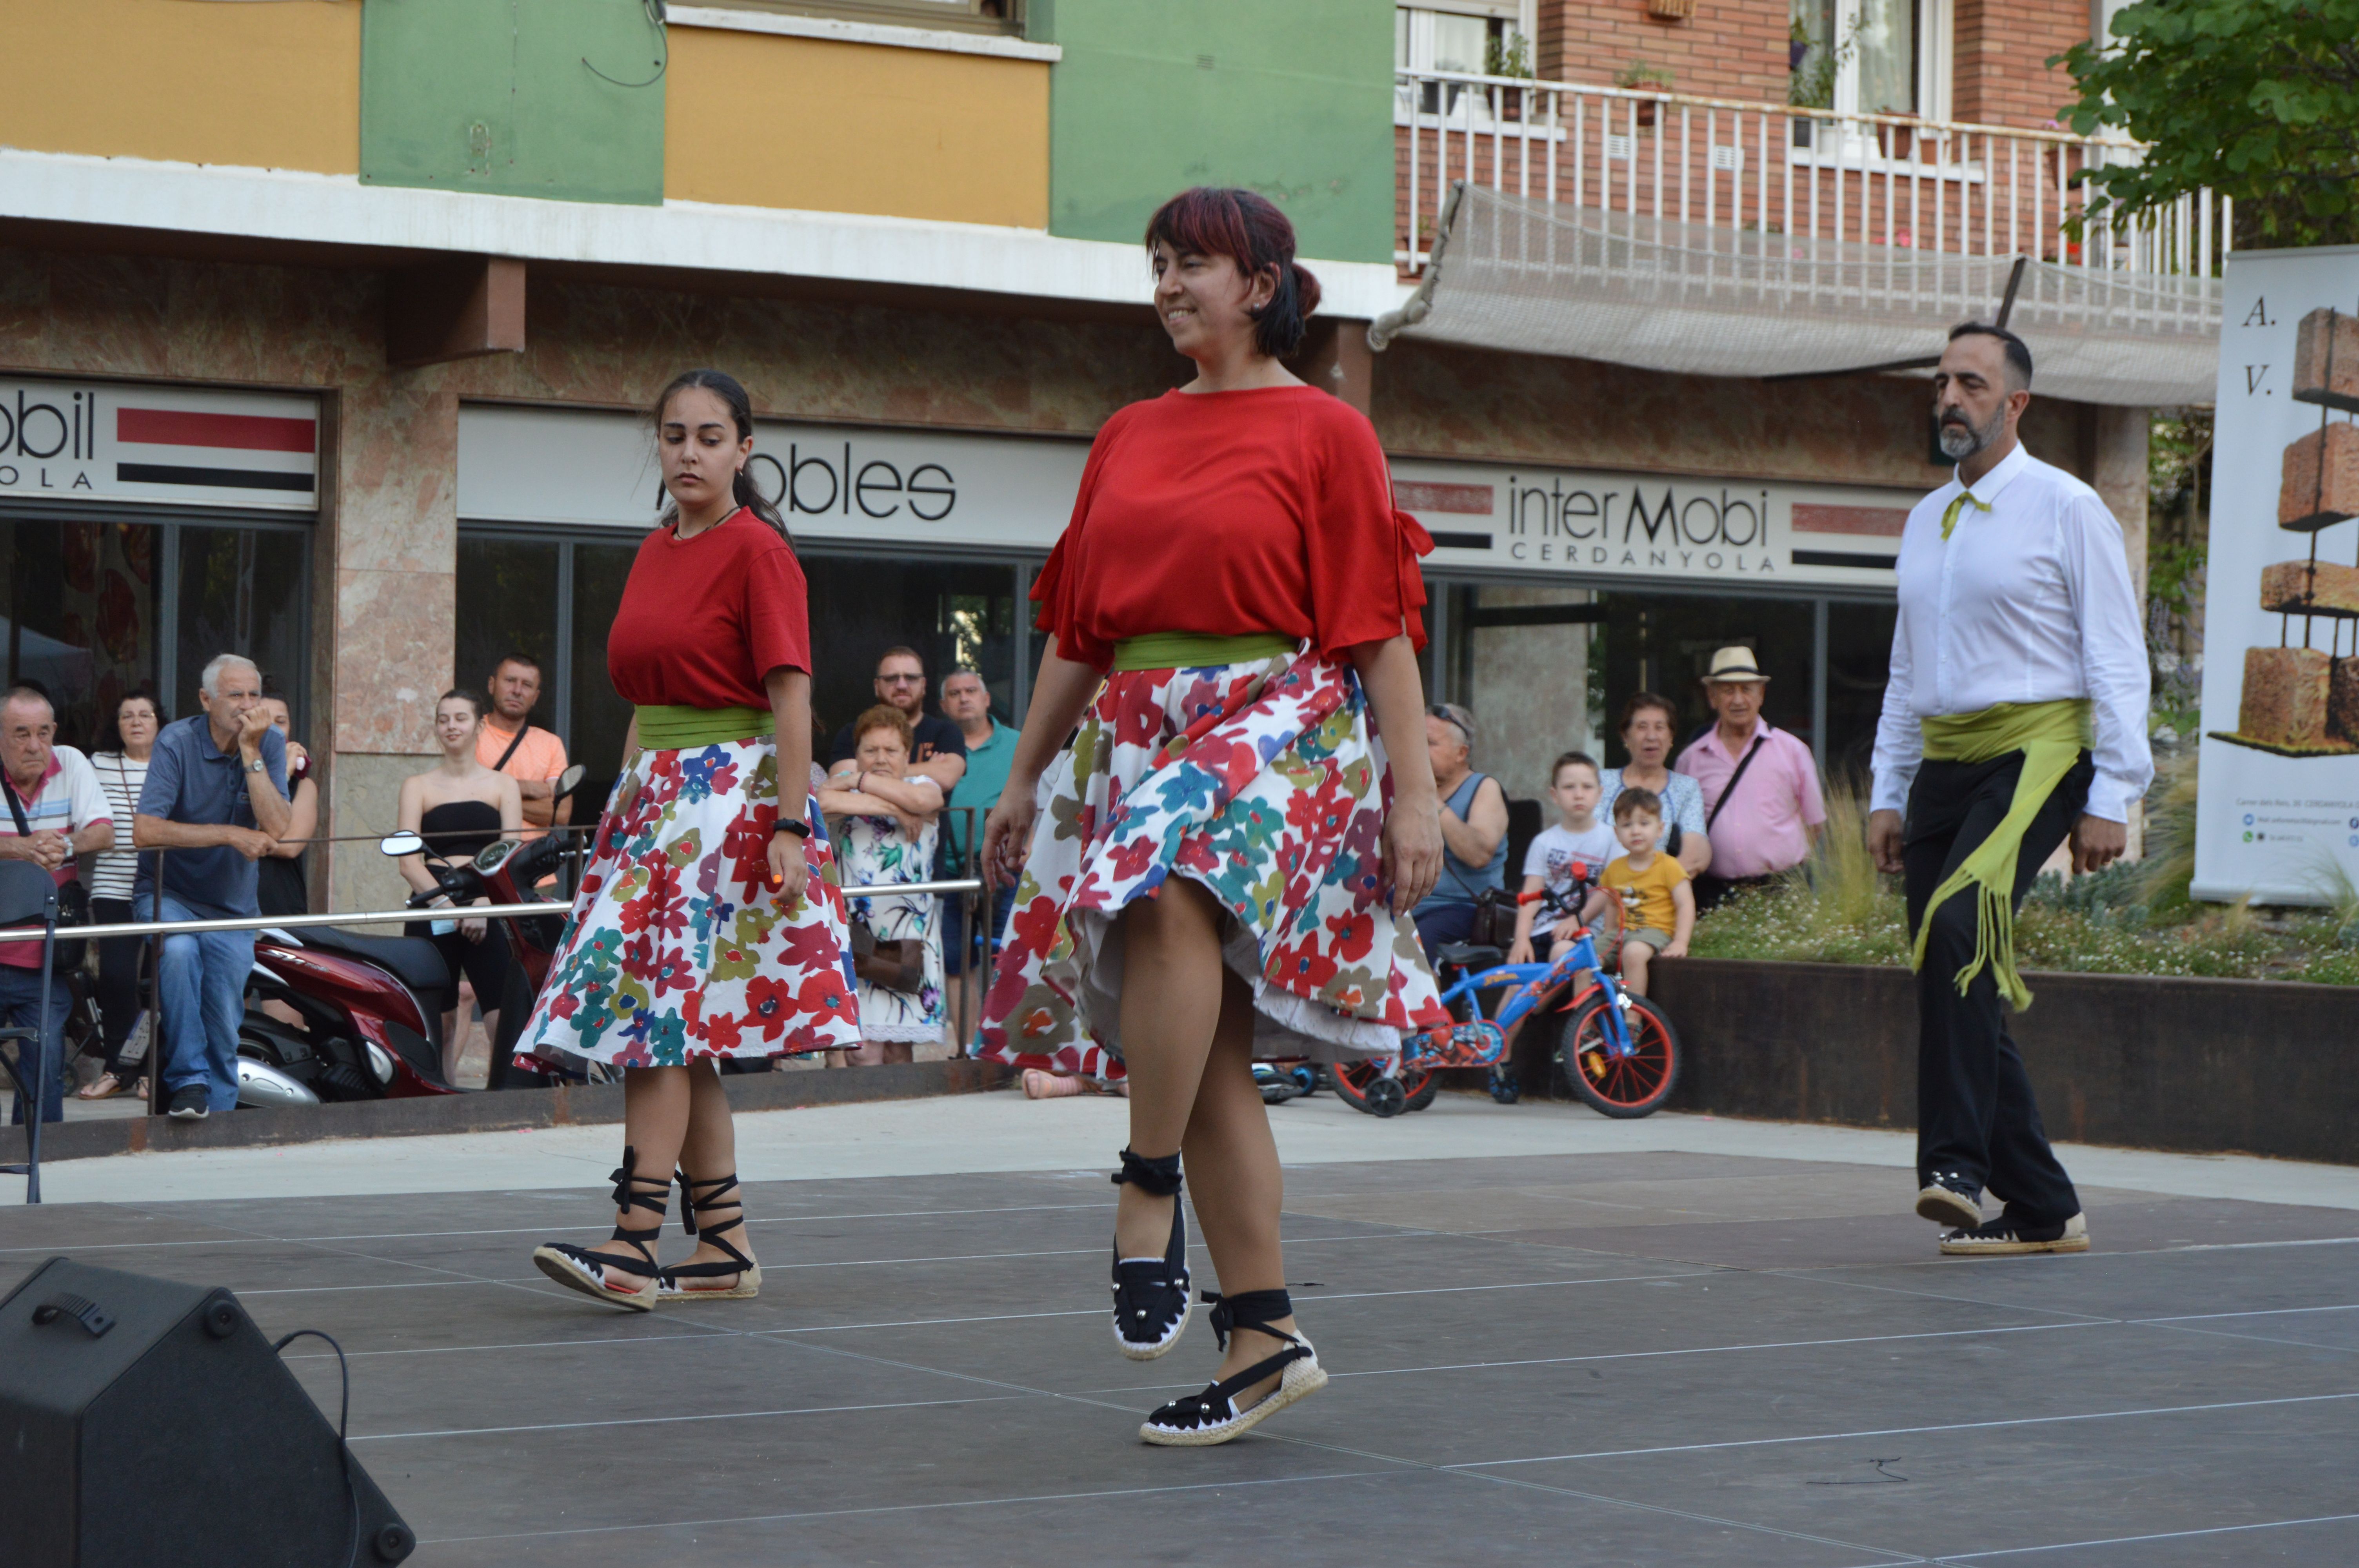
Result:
{"points": [[1248, 1309], [1158, 1177]]}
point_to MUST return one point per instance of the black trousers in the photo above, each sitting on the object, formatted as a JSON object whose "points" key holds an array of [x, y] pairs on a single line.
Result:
{"points": [[1975, 1116], [121, 992]]}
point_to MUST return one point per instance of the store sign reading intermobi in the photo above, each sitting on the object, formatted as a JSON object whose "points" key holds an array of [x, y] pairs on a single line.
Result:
{"points": [[921, 488], [116, 441]]}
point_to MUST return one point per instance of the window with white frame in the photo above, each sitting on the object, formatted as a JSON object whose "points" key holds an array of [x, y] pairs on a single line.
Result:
{"points": [[1872, 57], [1478, 37]]}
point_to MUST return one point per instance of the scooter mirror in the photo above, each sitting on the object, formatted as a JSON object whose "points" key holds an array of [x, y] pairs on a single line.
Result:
{"points": [[569, 781], [402, 843]]}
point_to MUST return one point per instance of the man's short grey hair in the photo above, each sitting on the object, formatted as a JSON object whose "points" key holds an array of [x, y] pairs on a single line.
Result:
{"points": [[210, 682], [17, 693], [1460, 718], [964, 670]]}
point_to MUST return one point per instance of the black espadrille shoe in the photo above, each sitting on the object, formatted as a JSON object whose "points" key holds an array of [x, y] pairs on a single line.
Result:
{"points": [[625, 1280], [1151, 1303], [1205, 1420]]}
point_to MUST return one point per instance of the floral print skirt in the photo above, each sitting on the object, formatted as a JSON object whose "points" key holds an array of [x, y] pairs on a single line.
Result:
{"points": [[679, 948], [1260, 781]]}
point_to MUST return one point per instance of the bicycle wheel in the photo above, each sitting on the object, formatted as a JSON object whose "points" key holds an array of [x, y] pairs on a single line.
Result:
{"points": [[1625, 1086], [1352, 1080]]}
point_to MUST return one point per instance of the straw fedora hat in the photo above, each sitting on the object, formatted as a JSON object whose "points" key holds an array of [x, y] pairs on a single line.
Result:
{"points": [[1734, 665]]}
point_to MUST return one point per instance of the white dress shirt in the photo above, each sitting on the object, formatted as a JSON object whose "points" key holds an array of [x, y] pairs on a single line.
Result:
{"points": [[2028, 601]]}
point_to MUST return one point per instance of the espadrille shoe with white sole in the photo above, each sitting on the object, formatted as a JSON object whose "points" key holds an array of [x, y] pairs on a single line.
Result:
{"points": [[700, 1281], [1151, 1300], [2005, 1238], [613, 1277], [1948, 1199], [1213, 1417]]}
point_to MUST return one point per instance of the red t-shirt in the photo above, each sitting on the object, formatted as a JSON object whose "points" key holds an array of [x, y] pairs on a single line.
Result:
{"points": [[703, 619], [1231, 512]]}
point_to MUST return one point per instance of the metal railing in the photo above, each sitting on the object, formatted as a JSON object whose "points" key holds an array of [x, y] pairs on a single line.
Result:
{"points": [[1773, 168]]}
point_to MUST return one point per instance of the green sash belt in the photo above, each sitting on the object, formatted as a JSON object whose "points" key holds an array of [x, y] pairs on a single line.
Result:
{"points": [[2050, 735], [1195, 650], [669, 727]]}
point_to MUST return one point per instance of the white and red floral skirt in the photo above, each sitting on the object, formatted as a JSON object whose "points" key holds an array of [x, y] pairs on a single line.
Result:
{"points": [[679, 948], [1260, 781]]}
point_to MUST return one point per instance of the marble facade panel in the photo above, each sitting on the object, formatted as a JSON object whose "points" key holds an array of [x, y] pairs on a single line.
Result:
{"points": [[394, 633]]}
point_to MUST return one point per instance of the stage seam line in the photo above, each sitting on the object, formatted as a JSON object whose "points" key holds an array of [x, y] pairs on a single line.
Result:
{"points": [[2134, 1540], [673, 1420], [2252, 1339], [1902, 1431]]}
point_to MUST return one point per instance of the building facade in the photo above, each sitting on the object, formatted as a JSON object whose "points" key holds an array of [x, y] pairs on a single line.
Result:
{"points": [[332, 327]]}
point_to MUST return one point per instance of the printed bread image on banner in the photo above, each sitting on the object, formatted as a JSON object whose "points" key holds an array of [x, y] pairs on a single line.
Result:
{"points": [[2280, 814]]}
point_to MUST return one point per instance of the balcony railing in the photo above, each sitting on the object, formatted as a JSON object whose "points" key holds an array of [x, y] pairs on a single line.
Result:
{"points": [[1884, 180]]}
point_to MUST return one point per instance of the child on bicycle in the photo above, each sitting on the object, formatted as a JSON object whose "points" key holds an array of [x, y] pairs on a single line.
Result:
{"points": [[1646, 888], [1563, 860]]}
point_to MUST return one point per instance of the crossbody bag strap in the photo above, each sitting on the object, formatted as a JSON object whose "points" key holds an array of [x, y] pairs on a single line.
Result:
{"points": [[522, 730], [1742, 764], [15, 807]]}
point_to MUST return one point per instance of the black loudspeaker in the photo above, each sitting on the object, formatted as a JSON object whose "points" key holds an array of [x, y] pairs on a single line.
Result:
{"points": [[144, 1422]]}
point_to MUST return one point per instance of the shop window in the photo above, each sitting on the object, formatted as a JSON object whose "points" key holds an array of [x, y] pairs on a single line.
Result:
{"points": [[953, 612], [1859, 654], [97, 606]]}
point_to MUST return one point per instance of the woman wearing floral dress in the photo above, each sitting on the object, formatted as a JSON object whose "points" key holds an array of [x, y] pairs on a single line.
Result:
{"points": [[1221, 865], [705, 927], [886, 818]]}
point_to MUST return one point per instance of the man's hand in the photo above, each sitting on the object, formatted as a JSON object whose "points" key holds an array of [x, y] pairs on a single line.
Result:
{"points": [[1884, 841], [250, 731], [251, 842], [1676, 948], [2097, 843], [536, 789], [45, 848]]}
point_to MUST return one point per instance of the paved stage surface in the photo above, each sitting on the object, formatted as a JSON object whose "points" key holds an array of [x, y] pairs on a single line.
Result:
{"points": [[1552, 1339]]}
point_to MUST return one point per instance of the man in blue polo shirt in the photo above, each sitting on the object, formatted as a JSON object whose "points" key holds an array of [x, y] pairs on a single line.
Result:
{"points": [[990, 747], [216, 800]]}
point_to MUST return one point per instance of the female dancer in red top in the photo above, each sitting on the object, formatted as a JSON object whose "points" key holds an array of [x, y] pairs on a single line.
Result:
{"points": [[705, 926], [1232, 599]]}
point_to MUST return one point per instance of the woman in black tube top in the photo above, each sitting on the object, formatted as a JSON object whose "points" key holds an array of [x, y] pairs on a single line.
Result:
{"points": [[459, 807]]}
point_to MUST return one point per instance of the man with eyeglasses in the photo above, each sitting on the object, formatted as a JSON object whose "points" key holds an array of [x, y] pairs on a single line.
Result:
{"points": [[940, 751]]}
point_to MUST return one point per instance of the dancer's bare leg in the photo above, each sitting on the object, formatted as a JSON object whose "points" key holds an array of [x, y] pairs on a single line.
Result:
{"points": [[1187, 1038], [709, 1150], [657, 1103]]}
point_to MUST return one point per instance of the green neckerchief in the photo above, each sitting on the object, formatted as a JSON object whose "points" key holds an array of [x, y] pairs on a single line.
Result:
{"points": [[1958, 504], [2050, 736]]}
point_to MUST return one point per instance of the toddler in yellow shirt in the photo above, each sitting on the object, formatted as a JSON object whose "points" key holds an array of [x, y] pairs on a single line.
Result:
{"points": [[1646, 888]]}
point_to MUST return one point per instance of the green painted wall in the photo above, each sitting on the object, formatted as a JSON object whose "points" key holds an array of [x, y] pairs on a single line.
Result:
{"points": [[1291, 98], [495, 96]]}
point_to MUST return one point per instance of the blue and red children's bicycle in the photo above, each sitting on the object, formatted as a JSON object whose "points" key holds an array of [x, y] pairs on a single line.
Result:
{"points": [[1616, 1049]]}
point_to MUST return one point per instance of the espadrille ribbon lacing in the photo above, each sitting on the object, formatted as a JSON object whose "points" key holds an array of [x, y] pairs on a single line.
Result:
{"points": [[680, 1283], [593, 1274], [1151, 1303], [1203, 1420]]}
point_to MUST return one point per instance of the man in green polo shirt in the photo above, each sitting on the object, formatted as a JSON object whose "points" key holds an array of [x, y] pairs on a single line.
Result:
{"points": [[990, 747]]}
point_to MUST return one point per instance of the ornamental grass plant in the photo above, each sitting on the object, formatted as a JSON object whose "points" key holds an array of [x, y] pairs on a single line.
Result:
{"points": [[2136, 917]]}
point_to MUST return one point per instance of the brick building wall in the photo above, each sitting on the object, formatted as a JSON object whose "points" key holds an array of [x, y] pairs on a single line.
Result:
{"points": [[2002, 47]]}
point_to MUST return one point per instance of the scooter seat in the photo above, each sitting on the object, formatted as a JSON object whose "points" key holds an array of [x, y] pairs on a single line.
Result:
{"points": [[1467, 956], [414, 960]]}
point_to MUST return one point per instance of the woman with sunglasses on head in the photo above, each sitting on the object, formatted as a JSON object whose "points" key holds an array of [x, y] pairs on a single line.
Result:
{"points": [[706, 928], [1221, 865]]}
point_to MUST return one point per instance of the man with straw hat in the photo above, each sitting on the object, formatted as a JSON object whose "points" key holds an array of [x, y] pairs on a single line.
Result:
{"points": [[2014, 715], [1760, 784]]}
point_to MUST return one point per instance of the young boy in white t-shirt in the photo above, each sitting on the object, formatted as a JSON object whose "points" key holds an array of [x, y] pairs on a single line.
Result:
{"points": [[1565, 858]]}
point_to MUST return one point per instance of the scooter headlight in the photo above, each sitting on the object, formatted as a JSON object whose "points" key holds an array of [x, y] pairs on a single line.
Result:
{"points": [[380, 1064]]}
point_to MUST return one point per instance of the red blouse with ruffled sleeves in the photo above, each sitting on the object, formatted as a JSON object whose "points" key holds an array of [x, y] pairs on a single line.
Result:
{"points": [[1231, 512]]}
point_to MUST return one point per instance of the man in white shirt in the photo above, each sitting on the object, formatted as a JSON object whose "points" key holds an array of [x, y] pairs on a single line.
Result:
{"points": [[2014, 715], [55, 812]]}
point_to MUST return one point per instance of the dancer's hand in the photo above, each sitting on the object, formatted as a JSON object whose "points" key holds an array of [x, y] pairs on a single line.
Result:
{"points": [[1412, 844], [789, 872], [1884, 841], [1007, 835]]}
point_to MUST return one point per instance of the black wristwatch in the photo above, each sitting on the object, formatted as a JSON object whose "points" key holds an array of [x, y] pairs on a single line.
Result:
{"points": [[794, 825]]}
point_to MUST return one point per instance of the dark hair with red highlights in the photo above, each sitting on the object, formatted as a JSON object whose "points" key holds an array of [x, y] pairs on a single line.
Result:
{"points": [[1246, 228]]}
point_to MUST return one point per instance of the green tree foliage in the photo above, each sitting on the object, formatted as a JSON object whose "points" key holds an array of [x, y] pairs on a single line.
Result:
{"points": [[2258, 99]]}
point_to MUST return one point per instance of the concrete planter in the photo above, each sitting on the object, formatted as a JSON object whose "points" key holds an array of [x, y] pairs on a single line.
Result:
{"points": [[2207, 1066]]}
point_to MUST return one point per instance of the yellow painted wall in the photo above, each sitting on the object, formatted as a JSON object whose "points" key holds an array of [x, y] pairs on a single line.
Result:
{"points": [[753, 119], [269, 86]]}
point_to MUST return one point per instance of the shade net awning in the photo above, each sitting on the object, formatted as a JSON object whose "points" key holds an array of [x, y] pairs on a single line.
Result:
{"points": [[1531, 277]]}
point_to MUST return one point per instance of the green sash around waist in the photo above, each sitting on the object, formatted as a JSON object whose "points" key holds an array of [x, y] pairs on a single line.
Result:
{"points": [[667, 727], [1195, 650], [2050, 735]]}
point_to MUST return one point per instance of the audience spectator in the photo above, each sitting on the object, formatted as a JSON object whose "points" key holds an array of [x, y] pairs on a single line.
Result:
{"points": [[1474, 830], [509, 742], [1760, 784], [882, 813], [1564, 859], [56, 811], [938, 748], [122, 769], [1649, 722], [1646, 887], [278, 876], [990, 747], [216, 799], [460, 807]]}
